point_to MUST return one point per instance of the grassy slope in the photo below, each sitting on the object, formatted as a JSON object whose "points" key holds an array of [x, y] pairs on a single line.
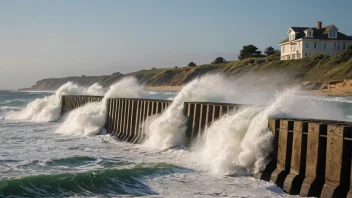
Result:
{"points": [[315, 68]]}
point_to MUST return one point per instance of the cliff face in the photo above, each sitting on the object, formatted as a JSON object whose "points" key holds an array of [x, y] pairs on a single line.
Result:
{"points": [[256, 70]]}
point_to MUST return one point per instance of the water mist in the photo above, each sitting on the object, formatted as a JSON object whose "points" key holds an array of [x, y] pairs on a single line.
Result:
{"points": [[91, 117], [48, 109], [168, 129]]}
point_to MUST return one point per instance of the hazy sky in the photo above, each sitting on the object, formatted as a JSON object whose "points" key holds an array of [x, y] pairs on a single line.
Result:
{"points": [[44, 39]]}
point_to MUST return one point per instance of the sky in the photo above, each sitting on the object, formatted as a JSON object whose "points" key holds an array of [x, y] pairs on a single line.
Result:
{"points": [[58, 38]]}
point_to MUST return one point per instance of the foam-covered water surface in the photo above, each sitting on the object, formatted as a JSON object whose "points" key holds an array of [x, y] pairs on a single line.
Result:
{"points": [[65, 158]]}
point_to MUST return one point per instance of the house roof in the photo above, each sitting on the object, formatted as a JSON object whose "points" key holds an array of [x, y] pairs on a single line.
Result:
{"points": [[317, 34]]}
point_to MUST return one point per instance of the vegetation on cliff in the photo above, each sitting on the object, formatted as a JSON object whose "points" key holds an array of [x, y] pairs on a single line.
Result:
{"points": [[314, 68]]}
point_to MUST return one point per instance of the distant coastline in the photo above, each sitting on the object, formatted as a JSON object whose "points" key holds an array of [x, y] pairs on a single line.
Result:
{"points": [[321, 75]]}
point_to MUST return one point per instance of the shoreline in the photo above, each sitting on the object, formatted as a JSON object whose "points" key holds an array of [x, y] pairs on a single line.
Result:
{"points": [[332, 92], [317, 92], [164, 88]]}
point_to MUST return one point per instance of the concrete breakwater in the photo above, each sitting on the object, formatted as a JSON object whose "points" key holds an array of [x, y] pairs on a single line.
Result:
{"points": [[70, 102], [310, 157], [126, 117], [201, 114]]}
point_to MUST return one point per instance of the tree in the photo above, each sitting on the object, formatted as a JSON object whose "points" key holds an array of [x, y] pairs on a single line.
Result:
{"points": [[270, 51], [249, 51], [219, 60], [192, 64]]}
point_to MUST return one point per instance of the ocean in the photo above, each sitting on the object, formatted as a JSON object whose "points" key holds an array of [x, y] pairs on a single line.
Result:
{"points": [[38, 160]]}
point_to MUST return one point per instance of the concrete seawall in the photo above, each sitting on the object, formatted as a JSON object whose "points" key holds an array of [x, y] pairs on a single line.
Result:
{"points": [[70, 102], [200, 115], [310, 157], [126, 117]]}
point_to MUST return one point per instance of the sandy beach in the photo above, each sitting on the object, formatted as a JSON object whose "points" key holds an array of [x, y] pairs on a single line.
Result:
{"points": [[164, 88]]}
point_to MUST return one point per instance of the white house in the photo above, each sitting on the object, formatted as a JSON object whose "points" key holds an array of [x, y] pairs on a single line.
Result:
{"points": [[308, 41]]}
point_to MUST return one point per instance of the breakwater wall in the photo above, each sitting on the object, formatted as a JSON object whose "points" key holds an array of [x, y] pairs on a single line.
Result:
{"points": [[126, 117], [310, 157], [70, 102], [200, 115]]}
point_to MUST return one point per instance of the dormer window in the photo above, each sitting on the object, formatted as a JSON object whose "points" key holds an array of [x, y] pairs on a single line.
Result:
{"points": [[309, 33], [332, 34], [292, 36]]}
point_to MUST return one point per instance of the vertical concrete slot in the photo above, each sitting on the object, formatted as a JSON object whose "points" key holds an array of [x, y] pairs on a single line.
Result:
{"points": [[108, 118], [113, 113], [133, 132], [136, 123], [195, 125], [118, 120], [122, 121], [294, 179], [127, 121], [216, 114], [273, 126], [284, 153], [315, 160], [336, 171], [189, 112], [140, 127]]}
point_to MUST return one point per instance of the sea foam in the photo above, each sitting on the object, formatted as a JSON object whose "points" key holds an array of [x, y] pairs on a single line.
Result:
{"points": [[48, 109], [90, 118], [168, 129]]}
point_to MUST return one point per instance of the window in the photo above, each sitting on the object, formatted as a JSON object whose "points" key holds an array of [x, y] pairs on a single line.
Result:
{"points": [[306, 54], [292, 36], [343, 46], [309, 34], [332, 34], [338, 46], [324, 46], [315, 45], [307, 45], [334, 45]]}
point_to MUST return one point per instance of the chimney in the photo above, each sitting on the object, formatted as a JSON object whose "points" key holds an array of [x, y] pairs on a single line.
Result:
{"points": [[319, 23]]}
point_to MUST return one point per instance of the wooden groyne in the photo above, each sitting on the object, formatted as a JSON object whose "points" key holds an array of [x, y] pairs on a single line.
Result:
{"points": [[310, 157]]}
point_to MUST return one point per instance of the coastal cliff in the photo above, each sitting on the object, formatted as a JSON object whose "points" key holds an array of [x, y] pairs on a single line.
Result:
{"points": [[313, 71]]}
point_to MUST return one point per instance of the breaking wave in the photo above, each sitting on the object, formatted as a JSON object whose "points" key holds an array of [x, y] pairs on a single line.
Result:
{"points": [[48, 108], [168, 129], [239, 142], [91, 117], [109, 182]]}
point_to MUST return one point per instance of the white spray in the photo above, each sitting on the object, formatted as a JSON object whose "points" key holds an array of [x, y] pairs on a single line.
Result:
{"points": [[168, 129], [90, 118], [240, 143], [47, 109]]}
